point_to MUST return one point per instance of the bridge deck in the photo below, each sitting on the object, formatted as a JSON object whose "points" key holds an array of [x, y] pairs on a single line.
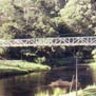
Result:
{"points": [[58, 41]]}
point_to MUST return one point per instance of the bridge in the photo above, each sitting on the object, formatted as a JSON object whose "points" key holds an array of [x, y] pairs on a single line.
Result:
{"points": [[55, 41]]}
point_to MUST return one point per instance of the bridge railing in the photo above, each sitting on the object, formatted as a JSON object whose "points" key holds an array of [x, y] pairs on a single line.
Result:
{"points": [[58, 41]]}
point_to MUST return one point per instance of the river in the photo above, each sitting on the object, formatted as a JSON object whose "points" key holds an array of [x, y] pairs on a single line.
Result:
{"points": [[25, 85], [29, 84]]}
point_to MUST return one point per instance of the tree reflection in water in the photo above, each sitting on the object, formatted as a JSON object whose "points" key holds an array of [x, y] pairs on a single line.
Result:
{"points": [[20, 85]]}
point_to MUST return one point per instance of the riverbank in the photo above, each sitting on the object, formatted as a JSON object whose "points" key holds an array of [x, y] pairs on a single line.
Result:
{"points": [[88, 91], [19, 66]]}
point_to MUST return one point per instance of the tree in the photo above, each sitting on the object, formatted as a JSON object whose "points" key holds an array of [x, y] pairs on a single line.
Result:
{"points": [[45, 18], [79, 15]]}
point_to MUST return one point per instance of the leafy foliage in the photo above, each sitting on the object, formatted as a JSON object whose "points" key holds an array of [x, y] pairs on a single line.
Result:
{"points": [[44, 18], [79, 16]]}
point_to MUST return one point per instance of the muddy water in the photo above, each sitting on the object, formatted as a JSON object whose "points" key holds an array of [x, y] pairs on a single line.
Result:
{"points": [[26, 85]]}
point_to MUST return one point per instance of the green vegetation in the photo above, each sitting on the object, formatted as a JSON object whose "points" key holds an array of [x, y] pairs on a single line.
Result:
{"points": [[20, 19], [21, 66], [55, 92], [78, 16], [88, 91], [46, 18]]}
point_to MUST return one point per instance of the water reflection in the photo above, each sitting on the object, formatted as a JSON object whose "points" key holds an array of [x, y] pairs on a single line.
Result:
{"points": [[27, 85], [2, 91], [20, 85]]}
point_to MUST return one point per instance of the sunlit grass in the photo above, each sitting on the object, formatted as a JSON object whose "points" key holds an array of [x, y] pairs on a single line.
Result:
{"points": [[93, 70], [41, 93], [58, 92], [20, 65], [54, 92], [88, 91]]}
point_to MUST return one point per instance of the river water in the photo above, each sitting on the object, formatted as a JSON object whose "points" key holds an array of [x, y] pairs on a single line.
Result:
{"points": [[26, 85]]}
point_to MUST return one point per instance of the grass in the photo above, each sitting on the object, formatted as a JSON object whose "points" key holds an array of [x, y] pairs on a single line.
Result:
{"points": [[88, 91], [19, 65], [54, 92]]}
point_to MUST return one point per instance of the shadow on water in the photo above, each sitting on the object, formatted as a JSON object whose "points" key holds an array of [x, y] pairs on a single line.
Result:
{"points": [[25, 85]]}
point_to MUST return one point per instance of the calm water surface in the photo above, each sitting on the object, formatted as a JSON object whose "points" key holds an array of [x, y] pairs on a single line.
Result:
{"points": [[25, 85]]}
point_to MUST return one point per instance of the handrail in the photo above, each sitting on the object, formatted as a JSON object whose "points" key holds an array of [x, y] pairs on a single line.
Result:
{"points": [[58, 41]]}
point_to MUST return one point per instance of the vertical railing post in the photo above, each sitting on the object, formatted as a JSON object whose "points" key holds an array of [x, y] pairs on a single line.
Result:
{"points": [[76, 74]]}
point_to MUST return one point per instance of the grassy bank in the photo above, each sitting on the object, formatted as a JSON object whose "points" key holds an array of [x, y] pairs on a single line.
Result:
{"points": [[21, 66], [88, 91]]}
